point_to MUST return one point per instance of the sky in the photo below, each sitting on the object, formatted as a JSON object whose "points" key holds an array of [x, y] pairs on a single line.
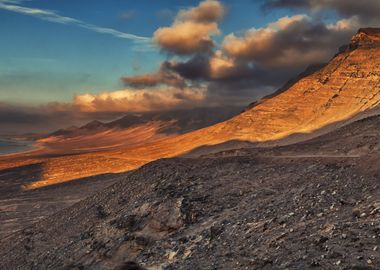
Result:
{"points": [[65, 62]]}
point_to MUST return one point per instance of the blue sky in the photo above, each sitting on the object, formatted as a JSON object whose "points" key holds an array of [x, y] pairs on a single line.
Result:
{"points": [[43, 61], [71, 61]]}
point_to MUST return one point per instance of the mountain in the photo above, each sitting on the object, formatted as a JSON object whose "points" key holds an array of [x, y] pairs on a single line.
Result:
{"points": [[312, 205], [343, 88], [347, 85], [182, 121], [133, 129]]}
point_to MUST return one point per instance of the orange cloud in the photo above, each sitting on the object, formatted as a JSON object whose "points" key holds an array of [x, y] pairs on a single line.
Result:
{"points": [[220, 65], [141, 100], [192, 29]]}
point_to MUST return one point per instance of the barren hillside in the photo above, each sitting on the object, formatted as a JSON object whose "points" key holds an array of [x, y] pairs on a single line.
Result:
{"points": [[311, 205]]}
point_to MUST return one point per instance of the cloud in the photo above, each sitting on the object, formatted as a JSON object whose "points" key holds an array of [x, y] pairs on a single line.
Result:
{"points": [[106, 106], [244, 65], [141, 100], [366, 11], [262, 59], [221, 65], [162, 77], [290, 41], [53, 16], [204, 73], [208, 11], [192, 29], [15, 118], [195, 68]]}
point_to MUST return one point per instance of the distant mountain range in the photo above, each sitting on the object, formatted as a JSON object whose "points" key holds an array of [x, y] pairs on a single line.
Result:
{"points": [[134, 129], [181, 121]]}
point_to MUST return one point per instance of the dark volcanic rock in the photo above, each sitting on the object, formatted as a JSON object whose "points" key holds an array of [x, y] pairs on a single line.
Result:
{"points": [[215, 213]]}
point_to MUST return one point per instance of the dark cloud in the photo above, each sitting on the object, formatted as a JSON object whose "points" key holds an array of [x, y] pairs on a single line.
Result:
{"points": [[200, 68], [264, 59], [232, 83], [367, 11], [162, 77], [196, 68], [291, 41]]}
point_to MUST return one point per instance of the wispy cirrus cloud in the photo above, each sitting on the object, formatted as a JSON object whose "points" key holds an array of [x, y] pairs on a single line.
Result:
{"points": [[53, 16]]}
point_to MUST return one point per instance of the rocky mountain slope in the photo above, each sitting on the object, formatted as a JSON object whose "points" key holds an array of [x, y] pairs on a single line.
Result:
{"points": [[348, 85], [314, 205], [345, 87]]}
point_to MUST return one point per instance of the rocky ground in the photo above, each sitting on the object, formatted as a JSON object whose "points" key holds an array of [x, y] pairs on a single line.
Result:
{"points": [[250, 209], [20, 208]]}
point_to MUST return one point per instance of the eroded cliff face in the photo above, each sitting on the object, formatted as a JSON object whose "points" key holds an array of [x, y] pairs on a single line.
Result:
{"points": [[349, 84]]}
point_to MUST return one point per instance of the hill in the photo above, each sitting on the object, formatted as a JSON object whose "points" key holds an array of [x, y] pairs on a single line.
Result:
{"points": [[310, 205], [133, 129]]}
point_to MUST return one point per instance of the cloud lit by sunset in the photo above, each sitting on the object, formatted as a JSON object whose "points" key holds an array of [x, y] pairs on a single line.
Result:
{"points": [[201, 53]]}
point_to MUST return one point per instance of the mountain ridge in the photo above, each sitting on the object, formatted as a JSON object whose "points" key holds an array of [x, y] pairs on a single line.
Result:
{"points": [[186, 120], [322, 98]]}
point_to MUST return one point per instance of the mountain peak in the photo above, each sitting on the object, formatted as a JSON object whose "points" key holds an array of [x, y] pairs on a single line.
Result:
{"points": [[93, 125], [368, 35]]}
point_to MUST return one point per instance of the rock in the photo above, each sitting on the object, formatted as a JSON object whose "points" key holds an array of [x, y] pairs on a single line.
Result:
{"points": [[101, 212], [356, 212], [129, 266]]}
